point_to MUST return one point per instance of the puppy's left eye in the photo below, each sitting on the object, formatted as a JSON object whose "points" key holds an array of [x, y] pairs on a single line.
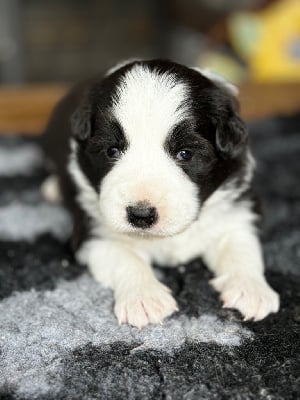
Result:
{"points": [[113, 152], [184, 155]]}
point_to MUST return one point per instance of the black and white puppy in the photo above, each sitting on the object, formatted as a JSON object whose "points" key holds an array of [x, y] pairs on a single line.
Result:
{"points": [[153, 161]]}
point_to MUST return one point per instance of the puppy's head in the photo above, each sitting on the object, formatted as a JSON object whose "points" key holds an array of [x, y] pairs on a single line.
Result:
{"points": [[154, 140]]}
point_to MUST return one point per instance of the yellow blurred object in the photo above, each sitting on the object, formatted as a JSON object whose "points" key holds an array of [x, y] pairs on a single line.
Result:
{"points": [[269, 41]]}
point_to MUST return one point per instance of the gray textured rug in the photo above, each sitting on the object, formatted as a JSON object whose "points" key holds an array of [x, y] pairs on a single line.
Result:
{"points": [[59, 338]]}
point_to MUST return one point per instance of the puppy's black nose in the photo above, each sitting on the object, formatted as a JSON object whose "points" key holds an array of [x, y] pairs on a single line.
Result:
{"points": [[141, 215]]}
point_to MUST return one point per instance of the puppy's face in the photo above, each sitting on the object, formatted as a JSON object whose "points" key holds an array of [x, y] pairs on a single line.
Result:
{"points": [[155, 140]]}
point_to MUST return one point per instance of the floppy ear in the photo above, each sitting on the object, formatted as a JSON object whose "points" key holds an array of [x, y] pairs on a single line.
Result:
{"points": [[231, 137], [231, 131], [81, 122]]}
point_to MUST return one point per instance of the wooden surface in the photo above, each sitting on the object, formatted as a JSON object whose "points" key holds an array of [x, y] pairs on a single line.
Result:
{"points": [[264, 100], [26, 109]]}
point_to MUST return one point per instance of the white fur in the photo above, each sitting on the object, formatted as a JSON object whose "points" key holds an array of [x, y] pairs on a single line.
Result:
{"points": [[147, 106], [140, 298], [50, 189]]}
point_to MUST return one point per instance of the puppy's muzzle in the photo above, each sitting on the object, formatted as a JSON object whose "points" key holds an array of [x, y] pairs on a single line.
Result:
{"points": [[141, 215]]}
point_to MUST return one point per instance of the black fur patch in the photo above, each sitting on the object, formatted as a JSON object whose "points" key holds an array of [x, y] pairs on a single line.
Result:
{"points": [[213, 131], [92, 156]]}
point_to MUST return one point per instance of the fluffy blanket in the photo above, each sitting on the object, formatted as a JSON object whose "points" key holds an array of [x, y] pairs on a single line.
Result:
{"points": [[59, 338]]}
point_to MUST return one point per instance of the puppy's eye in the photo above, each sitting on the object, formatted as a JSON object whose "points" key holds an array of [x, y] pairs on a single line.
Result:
{"points": [[184, 155], [113, 152]]}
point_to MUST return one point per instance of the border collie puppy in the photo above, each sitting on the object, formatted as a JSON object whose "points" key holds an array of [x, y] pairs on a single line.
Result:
{"points": [[153, 161]]}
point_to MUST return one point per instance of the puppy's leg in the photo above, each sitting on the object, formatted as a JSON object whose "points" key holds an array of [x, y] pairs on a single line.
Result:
{"points": [[50, 189], [140, 298], [236, 259]]}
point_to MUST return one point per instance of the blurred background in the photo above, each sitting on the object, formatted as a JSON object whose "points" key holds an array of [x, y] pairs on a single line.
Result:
{"points": [[45, 45]]}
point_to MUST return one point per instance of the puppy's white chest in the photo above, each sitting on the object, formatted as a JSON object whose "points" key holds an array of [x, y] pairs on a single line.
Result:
{"points": [[175, 250], [212, 223]]}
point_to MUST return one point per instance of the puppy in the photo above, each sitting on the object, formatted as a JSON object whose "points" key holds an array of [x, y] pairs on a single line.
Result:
{"points": [[153, 161]]}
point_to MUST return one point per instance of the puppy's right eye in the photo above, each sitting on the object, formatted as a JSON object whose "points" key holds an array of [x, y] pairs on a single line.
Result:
{"points": [[113, 152]]}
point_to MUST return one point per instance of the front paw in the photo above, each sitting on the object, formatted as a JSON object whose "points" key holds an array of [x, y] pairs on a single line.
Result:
{"points": [[253, 297], [149, 304]]}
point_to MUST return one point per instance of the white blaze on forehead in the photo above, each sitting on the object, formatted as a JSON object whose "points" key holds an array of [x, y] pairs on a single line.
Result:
{"points": [[149, 103]]}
